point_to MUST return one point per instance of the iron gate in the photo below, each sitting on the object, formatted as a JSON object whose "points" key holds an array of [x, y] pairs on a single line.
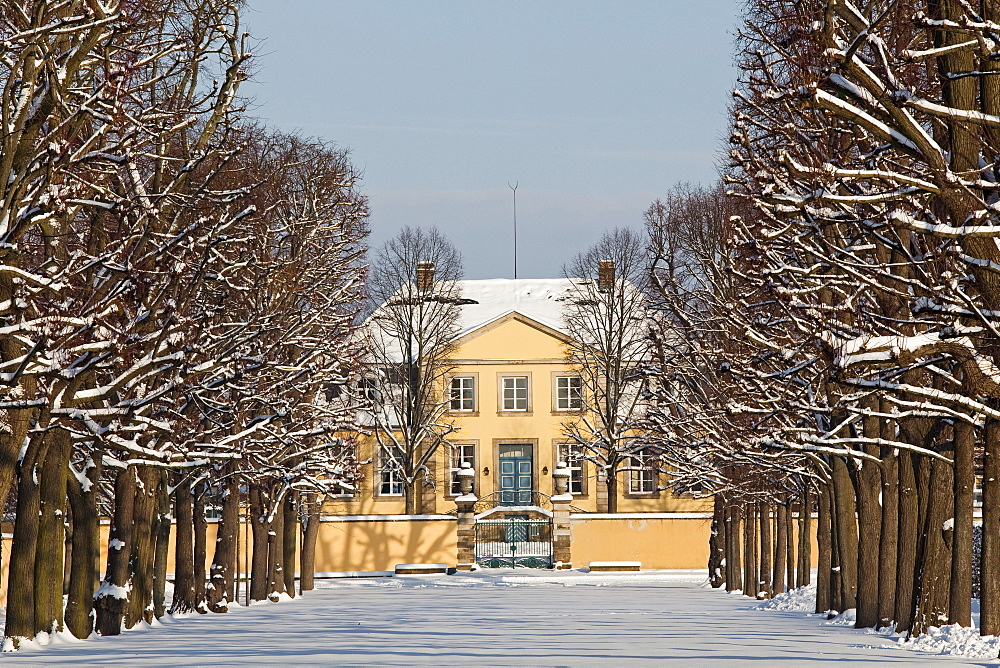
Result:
{"points": [[514, 542]]}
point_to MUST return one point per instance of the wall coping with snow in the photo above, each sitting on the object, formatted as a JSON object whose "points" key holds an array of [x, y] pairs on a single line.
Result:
{"points": [[640, 516], [388, 518]]}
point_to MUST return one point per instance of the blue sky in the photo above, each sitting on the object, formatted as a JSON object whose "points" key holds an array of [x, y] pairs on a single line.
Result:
{"points": [[593, 108]]}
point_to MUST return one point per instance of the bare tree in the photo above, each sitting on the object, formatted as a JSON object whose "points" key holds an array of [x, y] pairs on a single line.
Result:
{"points": [[414, 287], [608, 325]]}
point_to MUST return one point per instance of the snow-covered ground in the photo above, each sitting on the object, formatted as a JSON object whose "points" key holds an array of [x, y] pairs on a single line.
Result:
{"points": [[952, 639], [498, 617]]}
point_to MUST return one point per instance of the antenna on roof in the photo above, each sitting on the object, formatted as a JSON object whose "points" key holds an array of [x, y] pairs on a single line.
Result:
{"points": [[514, 189]]}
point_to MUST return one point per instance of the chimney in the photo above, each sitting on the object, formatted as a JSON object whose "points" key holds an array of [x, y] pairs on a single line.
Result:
{"points": [[605, 275], [425, 276]]}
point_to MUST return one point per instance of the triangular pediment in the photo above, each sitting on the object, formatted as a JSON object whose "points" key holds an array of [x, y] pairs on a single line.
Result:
{"points": [[541, 336]]}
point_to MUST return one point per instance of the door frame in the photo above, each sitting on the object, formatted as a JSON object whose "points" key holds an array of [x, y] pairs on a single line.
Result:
{"points": [[532, 443]]}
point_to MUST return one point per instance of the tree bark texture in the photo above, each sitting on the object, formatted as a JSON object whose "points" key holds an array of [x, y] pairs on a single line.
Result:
{"points": [[200, 548], [824, 534], [111, 599], [989, 579], [140, 607], [888, 540], [960, 610], [260, 528], [935, 569], [49, 556], [845, 514], [716, 543], [184, 600], [766, 550], [310, 534], [162, 535], [276, 552], [803, 573], [906, 558], [20, 614], [290, 530], [780, 548], [84, 567], [222, 586]]}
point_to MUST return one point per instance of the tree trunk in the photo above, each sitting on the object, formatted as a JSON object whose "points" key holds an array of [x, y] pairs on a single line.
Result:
{"points": [[789, 547], [83, 573], [935, 569], [261, 528], [780, 548], [276, 552], [140, 607], [290, 527], [611, 482], [162, 533], [200, 548], [49, 556], [803, 572], [310, 534], [869, 483], [989, 578], [184, 599], [736, 552], [750, 572], [888, 540], [845, 515], [20, 613], [824, 535], [766, 550], [111, 599], [960, 610], [836, 590], [906, 557], [222, 587], [716, 543]]}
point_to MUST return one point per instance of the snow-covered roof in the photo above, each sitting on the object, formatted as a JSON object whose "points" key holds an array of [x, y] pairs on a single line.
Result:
{"points": [[541, 299]]}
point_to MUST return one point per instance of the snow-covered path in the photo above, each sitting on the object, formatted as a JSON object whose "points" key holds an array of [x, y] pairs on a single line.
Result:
{"points": [[503, 617]]}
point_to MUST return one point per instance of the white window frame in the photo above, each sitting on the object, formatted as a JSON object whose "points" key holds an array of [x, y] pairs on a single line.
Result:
{"points": [[564, 395], [460, 452], [508, 383], [572, 454], [465, 383], [390, 478], [642, 481]]}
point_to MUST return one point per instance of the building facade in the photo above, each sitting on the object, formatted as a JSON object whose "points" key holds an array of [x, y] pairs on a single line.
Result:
{"points": [[508, 394]]}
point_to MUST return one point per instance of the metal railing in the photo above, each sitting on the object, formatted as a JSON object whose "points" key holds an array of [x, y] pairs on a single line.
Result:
{"points": [[514, 542]]}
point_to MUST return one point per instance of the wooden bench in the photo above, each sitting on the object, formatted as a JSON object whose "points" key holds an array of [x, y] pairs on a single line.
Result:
{"points": [[614, 566], [420, 569]]}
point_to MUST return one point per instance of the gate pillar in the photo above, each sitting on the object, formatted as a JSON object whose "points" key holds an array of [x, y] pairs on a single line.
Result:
{"points": [[562, 532], [466, 557]]}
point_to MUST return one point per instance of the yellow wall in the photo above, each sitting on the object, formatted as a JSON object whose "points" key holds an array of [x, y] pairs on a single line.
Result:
{"points": [[380, 545], [657, 542], [512, 344]]}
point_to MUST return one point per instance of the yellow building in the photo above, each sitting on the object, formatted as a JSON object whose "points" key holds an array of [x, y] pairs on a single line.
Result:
{"points": [[508, 392]]}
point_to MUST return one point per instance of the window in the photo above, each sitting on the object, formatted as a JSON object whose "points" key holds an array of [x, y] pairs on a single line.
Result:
{"points": [[368, 389], [463, 393], [572, 454], [461, 452], [342, 490], [515, 393], [391, 477], [642, 478], [569, 393]]}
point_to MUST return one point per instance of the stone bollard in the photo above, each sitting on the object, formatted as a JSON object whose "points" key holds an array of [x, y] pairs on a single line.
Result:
{"points": [[466, 557], [562, 533]]}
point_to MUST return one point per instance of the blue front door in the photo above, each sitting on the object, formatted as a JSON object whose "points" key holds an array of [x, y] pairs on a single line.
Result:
{"points": [[515, 475]]}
